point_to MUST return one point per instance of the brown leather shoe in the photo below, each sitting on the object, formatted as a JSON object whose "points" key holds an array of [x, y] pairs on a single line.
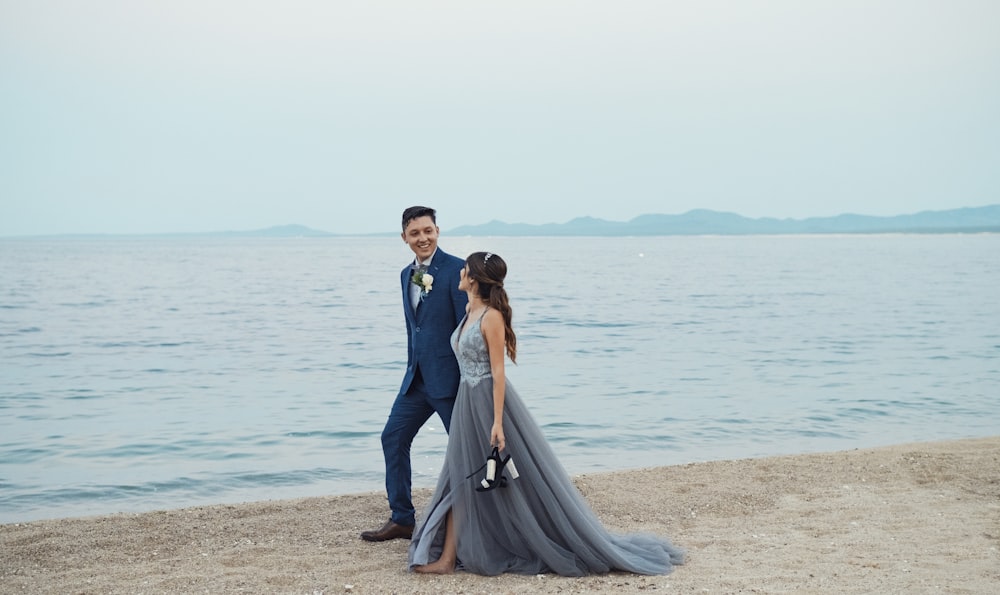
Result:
{"points": [[389, 530]]}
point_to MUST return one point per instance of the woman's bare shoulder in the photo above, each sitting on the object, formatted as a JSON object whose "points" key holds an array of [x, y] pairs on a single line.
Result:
{"points": [[492, 319], [493, 315]]}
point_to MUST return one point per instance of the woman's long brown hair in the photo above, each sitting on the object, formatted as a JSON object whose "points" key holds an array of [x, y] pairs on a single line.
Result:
{"points": [[489, 270]]}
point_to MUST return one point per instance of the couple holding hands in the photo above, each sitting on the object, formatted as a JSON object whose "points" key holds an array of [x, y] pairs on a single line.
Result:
{"points": [[520, 512]]}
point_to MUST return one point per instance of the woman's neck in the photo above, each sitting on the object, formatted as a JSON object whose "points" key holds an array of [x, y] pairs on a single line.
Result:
{"points": [[476, 302]]}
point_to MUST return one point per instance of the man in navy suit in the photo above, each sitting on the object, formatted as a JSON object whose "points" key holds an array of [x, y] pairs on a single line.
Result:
{"points": [[433, 307]]}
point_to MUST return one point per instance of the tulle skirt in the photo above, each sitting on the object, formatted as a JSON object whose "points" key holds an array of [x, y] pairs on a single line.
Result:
{"points": [[540, 522]]}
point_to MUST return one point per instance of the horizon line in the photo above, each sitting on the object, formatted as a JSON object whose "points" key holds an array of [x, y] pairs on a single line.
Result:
{"points": [[321, 232]]}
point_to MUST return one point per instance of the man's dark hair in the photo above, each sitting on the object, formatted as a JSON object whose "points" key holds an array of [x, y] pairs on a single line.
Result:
{"points": [[417, 212]]}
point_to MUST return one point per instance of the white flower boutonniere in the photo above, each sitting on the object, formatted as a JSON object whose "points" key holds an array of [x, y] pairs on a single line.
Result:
{"points": [[423, 280]]}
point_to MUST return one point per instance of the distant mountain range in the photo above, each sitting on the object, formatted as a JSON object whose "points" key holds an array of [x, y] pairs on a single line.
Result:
{"points": [[696, 222], [706, 222], [278, 231]]}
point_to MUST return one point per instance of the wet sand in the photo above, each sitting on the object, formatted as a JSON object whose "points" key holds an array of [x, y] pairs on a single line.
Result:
{"points": [[915, 518]]}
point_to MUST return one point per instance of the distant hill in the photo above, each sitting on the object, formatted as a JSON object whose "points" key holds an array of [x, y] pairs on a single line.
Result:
{"points": [[707, 222], [277, 231], [696, 222]]}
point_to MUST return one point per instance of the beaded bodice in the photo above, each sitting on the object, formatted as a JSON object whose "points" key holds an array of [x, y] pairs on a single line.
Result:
{"points": [[471, 352]]}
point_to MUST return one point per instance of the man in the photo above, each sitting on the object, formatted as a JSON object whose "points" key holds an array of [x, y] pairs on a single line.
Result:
{"points": [[433, 307]]}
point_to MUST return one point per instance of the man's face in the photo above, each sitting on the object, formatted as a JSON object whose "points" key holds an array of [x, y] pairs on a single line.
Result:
{"points": [[422, 236]]}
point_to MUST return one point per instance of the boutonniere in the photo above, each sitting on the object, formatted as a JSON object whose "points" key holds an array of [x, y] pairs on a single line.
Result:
{"points": [[424, 280]]}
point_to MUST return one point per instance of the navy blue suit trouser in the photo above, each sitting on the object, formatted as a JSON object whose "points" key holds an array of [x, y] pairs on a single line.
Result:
{"points": [[408, 414]]}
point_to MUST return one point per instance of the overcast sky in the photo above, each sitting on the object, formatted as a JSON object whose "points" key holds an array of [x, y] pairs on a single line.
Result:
{"points": [[137, 116]]}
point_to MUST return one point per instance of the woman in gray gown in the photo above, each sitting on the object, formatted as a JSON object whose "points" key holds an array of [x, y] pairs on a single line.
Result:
{"points": [[530, 518]]}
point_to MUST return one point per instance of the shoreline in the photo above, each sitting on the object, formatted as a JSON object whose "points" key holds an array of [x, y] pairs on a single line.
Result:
{"points": [[909, 518]]}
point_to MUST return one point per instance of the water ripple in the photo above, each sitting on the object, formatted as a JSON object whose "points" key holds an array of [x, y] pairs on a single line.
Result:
{"points": [[238, 369]]}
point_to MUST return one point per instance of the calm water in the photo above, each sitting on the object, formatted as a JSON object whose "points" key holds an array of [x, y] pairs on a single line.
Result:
{"points": [[140, 374]]}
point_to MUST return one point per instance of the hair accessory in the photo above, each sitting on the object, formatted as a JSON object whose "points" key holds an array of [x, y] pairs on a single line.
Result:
{"points": [[487, 257]]}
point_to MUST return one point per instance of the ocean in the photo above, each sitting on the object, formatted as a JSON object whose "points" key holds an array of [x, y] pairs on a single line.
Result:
{"points": [[148, 373]]}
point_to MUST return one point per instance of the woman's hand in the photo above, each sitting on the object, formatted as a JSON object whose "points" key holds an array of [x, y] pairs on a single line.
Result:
{"points": [[497, 438]]}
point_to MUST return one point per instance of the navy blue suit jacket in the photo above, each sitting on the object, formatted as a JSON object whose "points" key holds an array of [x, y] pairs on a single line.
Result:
{"points": [[429, 327]]}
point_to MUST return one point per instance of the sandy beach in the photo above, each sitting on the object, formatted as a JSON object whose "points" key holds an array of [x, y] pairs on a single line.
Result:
{"points": [[915, 518]]}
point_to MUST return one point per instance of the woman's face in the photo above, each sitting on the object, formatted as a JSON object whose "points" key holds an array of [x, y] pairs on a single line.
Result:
{"points": [[464, 283], [463, 279]]}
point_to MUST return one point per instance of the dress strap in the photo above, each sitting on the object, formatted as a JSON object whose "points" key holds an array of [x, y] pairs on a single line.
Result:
{"points": [[485, 310]]}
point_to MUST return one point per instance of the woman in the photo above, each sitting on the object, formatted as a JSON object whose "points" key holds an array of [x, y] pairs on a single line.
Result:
{"points": [[530, 520]]}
